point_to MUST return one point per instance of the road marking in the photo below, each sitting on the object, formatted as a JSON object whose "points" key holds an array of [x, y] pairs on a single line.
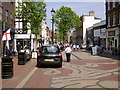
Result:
{"points": [[23, 82]]}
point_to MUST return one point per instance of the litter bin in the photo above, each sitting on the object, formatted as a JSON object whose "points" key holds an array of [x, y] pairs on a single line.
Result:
{"points": [[21, 57], [7, 67]]}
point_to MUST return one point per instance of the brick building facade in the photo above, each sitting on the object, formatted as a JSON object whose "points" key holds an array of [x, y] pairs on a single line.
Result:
{"points": [[0, 28], [113, 24], [6, 22]]}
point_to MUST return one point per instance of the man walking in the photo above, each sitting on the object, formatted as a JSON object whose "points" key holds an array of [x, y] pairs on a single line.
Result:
{"points": [[68, 51], [19, 47]]}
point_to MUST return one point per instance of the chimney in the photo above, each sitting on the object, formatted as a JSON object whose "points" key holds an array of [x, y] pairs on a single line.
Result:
{"points": [[91, 13]]}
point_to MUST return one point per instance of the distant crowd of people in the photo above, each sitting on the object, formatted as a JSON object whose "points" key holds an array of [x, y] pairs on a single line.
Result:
{"points": [[73, 46]]}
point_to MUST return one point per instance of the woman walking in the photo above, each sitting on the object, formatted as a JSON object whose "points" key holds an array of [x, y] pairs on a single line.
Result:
{"points": [[68, 51]]}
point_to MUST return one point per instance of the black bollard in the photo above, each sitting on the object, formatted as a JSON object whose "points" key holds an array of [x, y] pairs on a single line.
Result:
{"points": [[7, 67]]}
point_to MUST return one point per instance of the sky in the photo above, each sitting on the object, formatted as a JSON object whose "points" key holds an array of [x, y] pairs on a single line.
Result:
{"points": [[81, 8]]}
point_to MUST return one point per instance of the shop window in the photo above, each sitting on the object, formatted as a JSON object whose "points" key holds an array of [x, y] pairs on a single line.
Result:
{"points": [[11, 18], [119, 18], [0, 13], [12, 1], [114, 19], [17, 25], [113, 3], [108, 5], [108, 20], [6, 15]]}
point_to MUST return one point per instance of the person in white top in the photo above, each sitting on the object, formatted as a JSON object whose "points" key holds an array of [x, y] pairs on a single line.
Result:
{"points": [[77, 46], [68, 51], [74, 47]]}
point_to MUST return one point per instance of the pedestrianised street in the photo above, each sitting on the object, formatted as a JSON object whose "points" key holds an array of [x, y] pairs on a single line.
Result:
{"points": [[83, 71], [60, 44]]}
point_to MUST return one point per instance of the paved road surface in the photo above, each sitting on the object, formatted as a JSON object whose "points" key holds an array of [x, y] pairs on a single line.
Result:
{"points": [[84, 71]]}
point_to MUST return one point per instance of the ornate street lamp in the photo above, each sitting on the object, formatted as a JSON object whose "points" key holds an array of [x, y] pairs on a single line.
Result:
{"points": [[52, 13]]}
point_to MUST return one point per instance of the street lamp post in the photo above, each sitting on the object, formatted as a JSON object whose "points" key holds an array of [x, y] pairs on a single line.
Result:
{"points": [[52, 13]]}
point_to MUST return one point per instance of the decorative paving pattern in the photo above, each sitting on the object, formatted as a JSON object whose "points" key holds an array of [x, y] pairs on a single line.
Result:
{"points": [[51, 72], [85, 76]]}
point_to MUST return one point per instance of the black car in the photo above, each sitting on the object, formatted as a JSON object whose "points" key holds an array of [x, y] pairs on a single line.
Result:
{"points": [[49, 55]]}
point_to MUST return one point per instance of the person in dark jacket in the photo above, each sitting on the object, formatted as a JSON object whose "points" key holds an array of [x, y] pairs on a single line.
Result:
{"points": [[19, 47]]}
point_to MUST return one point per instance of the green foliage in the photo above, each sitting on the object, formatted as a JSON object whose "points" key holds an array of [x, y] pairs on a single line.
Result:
{"points": [[33, 13], [66, 19]]}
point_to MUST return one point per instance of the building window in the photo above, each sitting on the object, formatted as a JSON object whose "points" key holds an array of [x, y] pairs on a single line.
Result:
{"points": [[108, 20], [113, 3], [114, 19], [119, 1], [12, 2], [119, 17], [108, 5], [11, 18], [6, 15], [0, 13]]}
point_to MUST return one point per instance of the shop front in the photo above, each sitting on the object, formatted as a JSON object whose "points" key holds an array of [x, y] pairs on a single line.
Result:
{"points": [[97, 40], [24, 39], [103, 37], [112, 39]]}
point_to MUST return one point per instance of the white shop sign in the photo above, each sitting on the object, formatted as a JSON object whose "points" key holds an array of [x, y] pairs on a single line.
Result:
{"points": [[97, 33], [23, 36]]}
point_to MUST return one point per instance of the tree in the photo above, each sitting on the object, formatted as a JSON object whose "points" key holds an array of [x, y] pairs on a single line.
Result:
{"points": [[33, 13], [65, 19]]}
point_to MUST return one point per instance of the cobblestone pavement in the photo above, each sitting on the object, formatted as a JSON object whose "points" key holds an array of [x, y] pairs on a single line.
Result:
{"points": [[83, 71]]}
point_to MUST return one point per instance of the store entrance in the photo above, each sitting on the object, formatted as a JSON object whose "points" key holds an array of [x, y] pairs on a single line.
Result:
{"points": [[24, 42]]}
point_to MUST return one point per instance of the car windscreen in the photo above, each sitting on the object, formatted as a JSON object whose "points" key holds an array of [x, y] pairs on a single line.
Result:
{"points": [[49, 49]]}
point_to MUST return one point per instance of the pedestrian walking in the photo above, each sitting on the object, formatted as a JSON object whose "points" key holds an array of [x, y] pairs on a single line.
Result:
{"points": [[19, 47], [25, 47], [68, 51], [43, 42], [77, 46], [74, 47]]}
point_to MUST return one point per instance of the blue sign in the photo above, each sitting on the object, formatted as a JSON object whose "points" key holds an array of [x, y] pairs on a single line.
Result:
{"points": [[96, 37]]}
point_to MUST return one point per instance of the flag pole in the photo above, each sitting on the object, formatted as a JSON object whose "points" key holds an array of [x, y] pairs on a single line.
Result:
{"points": [[5, 52]]}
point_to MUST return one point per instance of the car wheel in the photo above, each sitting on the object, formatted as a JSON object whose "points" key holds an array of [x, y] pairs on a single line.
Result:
{"points": [[60, 65], [38, 65]]}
